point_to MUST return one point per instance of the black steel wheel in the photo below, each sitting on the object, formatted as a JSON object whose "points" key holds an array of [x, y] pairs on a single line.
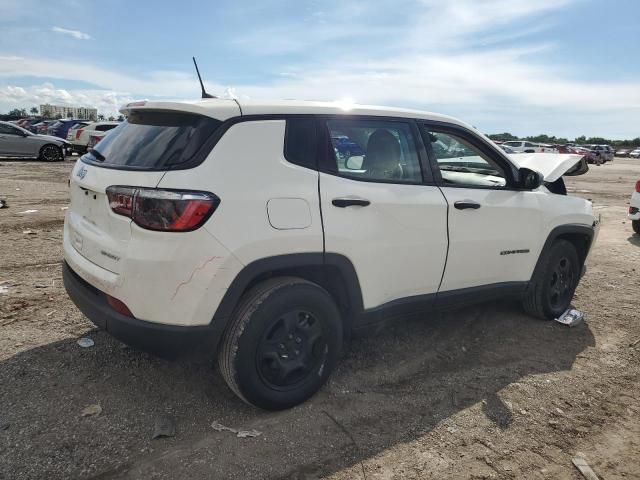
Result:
{"points": [[291, 350], [554, 282], [635, 224], [282, 343], [561, 284], [51, 153]]}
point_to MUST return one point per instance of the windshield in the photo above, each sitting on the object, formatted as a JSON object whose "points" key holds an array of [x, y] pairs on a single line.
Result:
{"points": [[155, 140]]}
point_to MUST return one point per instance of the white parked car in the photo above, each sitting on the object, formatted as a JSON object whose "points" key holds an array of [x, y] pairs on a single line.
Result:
{"points": [[521, 146], [237, 226], [635, 153], [79, 135], [634, 209]]}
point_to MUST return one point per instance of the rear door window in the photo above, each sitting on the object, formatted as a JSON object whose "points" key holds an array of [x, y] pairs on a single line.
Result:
{"points": [[156, 140], [373, 150]]}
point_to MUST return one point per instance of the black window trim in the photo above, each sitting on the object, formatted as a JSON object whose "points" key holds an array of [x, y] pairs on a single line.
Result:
{"points": [[509, 169], [287, 119]]}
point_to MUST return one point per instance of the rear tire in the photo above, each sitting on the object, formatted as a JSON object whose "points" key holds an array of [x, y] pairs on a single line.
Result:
{"points": [[282, 343], [51, 153], [551, 290], [635, 224]]}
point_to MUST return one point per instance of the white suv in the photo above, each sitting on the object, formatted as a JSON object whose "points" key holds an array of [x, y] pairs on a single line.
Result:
{"points": [[247, 228]]}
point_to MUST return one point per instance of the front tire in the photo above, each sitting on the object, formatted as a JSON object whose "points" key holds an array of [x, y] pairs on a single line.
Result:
{"points": [[282, 343], [554, 282], [51, 153], [635, 224]]}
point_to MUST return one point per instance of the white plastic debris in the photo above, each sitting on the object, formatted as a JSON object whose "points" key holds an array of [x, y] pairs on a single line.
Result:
{"points": [[85, 342], [29, 211], [91, 410], [29, 232], [239, 433], [4, 289], [571, 317]]}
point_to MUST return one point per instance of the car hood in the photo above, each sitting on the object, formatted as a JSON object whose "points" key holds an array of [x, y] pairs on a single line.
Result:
{"points": [[552, 166]]}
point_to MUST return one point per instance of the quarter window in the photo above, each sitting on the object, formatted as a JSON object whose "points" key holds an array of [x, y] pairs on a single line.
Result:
{"points": [[461, 163], [373, 150]]}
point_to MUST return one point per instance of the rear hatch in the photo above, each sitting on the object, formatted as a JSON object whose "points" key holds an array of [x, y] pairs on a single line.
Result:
{"points": [[135, 154]]}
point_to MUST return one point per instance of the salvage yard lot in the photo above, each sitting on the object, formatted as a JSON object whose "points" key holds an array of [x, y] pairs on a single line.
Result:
{"points": [[483, 392]]}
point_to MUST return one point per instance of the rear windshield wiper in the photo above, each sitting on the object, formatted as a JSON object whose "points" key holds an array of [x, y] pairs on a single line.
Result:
{"points": [[98, 156]]}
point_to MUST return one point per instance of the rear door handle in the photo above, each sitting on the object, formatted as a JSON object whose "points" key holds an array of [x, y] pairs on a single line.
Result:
{"points": [[350, 202], [466, 204]]}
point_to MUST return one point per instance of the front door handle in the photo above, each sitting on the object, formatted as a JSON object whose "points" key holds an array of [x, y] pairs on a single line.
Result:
{"points": [[350, 202], [466, 204]]}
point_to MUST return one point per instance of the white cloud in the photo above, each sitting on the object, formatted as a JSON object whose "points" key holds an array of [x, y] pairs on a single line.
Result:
{"points": [[107, 102], [72, 33]]}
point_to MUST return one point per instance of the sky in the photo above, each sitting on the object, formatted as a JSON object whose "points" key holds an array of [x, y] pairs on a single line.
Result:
{"points": [[560, 67]]}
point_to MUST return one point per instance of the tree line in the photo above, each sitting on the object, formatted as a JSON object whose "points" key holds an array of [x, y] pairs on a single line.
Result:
{"points": [[18, 113], [582, 140]]}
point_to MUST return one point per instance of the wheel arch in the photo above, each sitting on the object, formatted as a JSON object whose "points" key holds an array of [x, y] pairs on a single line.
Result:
{"points": [[334, 272], [579, 235]]}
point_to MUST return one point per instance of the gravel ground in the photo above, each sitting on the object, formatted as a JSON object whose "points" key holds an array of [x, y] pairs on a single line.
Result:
{"points": [[483, 392]]}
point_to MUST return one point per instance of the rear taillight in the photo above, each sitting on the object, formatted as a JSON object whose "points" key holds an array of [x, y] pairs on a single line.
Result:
{"points": [[121, 200], [163, 210], [638, 186], [93, 141], [78, 133]]}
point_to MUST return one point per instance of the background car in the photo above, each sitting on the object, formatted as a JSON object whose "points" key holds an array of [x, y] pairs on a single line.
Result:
{"points": [[603, 151], [346, 147], [507, 149], [61, 127], [94, 139], [41, 127], [79, 135], [522, 146], [18, 142], [635, 153], [623, 152], [590, 156]]}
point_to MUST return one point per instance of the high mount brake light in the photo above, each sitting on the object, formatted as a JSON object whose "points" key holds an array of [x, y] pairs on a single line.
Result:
{"points": [[163, 210]]}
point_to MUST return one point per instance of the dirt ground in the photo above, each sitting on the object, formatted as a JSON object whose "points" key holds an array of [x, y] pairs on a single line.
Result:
{"points": [[483, 392]]}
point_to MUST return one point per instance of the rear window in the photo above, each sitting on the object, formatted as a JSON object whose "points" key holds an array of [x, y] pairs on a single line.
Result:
{"points": [[156, 140]]}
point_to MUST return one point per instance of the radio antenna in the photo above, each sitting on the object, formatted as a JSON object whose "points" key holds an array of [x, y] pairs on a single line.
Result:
{"points": [[204, 92]]}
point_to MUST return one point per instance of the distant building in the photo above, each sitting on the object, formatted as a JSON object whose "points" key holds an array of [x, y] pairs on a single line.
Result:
{"points": [[53, 111]]}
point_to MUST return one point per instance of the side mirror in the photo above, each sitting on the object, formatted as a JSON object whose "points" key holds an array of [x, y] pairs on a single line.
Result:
{"points": [[530, 179]]}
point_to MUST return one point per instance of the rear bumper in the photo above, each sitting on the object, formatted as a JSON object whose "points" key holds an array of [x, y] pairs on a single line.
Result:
{"points": [[160, 339]]}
